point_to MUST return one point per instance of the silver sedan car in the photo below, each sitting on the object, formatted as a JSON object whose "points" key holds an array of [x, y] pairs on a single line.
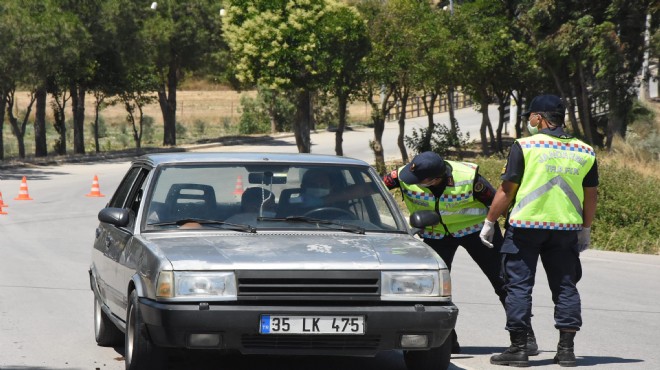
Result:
{"points": [[288, 254]]}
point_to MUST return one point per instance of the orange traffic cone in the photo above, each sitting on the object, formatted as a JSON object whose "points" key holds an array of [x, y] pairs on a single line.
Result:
{"points": [[1, 211], [96, 191], [238, 190], [23, 192], [2, 203]]}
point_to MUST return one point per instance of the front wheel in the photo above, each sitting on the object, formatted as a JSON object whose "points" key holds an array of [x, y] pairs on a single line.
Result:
{"points": [[105, 331], [140, 353], [432, 359]]}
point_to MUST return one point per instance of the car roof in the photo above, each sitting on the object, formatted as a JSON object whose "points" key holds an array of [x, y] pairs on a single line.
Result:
{"points": [[216, 157]]}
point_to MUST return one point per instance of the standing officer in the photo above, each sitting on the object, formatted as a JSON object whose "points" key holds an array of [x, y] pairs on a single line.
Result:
{"points": [[461, 197], [551, 180]]}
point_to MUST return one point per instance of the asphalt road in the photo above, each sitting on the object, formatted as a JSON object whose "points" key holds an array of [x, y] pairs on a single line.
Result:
{"points": [[46, 305]]}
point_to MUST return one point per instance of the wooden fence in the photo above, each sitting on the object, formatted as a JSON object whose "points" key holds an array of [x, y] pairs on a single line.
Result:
{"points": [[415, 105]]}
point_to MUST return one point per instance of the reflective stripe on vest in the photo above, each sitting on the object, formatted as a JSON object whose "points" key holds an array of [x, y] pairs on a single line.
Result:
{"points": [[550, 195], [460, 212]]}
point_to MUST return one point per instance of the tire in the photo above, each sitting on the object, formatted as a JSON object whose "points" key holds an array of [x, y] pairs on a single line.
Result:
{"points": [[139, 352], [432, 359], [107, 334]]}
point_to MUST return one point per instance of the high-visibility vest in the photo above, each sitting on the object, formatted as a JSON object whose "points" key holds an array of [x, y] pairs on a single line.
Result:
{"points": [[550, 195], [460, 212]]}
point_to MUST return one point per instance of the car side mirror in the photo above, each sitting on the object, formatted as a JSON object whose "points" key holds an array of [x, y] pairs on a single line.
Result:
{"points": [[421, 219], [114, 216]]}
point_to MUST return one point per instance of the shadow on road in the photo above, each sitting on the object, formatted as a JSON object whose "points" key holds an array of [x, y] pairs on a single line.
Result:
{"points": [[210, 360]]}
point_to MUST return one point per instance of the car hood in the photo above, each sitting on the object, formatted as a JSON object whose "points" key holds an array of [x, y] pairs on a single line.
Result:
{"points": [[309, 251]]}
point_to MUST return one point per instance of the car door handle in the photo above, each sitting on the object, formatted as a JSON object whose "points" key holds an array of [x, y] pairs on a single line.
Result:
{"points": [[108, 241]]}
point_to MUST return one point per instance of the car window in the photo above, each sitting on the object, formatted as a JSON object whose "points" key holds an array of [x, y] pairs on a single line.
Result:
{"points": [[264, 196], [119, 198]]}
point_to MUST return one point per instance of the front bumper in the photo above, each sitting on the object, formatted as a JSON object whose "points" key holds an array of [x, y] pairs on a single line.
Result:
{"points": [[170, 325]]}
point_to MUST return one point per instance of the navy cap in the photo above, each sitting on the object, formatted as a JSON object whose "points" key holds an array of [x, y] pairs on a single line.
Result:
{"points": [[425, 165], [546, 103]]}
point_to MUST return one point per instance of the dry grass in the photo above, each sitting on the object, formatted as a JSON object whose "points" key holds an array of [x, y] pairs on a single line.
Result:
{"points": [[639, 152], [212, 106]]}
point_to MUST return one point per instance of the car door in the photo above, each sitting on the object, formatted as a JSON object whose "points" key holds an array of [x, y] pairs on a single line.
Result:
{"points": [[108, 246]]}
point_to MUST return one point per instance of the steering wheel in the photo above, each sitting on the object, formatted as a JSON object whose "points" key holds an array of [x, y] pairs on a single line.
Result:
{"points": [[330, 211]]}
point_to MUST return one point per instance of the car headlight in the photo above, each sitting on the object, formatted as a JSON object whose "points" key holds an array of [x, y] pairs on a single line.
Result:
{"points": [[421, 285], [188, 285]]}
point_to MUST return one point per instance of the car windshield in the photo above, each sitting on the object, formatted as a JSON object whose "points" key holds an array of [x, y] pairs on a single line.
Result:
{"points": [[269, 197]]}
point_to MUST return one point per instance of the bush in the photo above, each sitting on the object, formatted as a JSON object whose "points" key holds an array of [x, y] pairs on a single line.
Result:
{"points": [[147, 129], [254, 119], [626, 220], [200, 127], [256, 112], [442, 140]]}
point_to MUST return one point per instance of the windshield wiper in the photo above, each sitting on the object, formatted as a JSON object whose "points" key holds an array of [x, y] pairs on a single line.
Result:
{"points": [[334, 225], [230, 226]]}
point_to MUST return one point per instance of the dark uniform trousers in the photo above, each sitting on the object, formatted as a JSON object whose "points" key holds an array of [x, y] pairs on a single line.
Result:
{"points": [[560, 258], [488, 259]]}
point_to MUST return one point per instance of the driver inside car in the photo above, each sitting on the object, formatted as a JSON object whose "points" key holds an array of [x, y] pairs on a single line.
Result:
{"points": [[318, 190]]}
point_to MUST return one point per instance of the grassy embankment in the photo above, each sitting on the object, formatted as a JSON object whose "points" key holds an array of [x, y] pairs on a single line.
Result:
{"points": [[628, 215]]}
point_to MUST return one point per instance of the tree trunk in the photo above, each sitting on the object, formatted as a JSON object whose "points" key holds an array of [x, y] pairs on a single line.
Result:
{"points": [[167, 102], [378, 113], [339, 135], [100, 97], [18, 129], [517, 97], [301, 125], [429, 109], [402, 125], [60, 123], [40, 146], [485, 124], [586, 106], [453, 124], [500, 124], [78, 108], [3, 104]]}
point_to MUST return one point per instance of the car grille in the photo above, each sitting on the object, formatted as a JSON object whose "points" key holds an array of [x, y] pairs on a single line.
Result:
{"points": [[311, 342], [308, 284]]}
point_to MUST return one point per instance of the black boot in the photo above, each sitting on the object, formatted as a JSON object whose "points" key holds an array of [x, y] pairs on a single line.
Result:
{"points": [[565, 356], [532, 347], [516, 354]]}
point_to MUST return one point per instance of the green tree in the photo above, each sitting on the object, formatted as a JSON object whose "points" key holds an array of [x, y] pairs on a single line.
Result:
{"points": [[344, 32], [381, 72], [593, 52], [485, 57], [183, 36], [284, 45]]}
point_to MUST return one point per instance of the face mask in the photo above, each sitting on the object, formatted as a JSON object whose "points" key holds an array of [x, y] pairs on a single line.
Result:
{"points": [[317, 192], [532, 130]]}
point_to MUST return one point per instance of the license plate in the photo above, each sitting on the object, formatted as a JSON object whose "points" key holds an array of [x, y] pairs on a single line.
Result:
{"points": [[285, 324]]}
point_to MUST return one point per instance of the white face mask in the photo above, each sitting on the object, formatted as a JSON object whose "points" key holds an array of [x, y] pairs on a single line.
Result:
{"points": [[532, 130], [317, 192]]}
